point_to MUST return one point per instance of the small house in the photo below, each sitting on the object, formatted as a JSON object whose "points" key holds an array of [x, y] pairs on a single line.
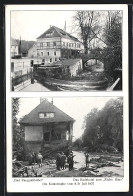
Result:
{"points": [[14, 47], [47, 127], [32, 52]]}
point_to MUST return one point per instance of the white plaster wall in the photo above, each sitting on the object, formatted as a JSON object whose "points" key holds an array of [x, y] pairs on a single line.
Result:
{"points": [[71, 41], [14, 50], [32, 52], [44, 54], [50, 40], [33, 133]]}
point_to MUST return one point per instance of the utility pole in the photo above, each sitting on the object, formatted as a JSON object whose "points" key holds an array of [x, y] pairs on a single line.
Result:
{"points": [[65, 26], [52, 101], [20, 47]]}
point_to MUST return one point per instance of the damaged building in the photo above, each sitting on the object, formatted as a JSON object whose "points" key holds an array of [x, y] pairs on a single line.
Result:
{"points": [[47, 128]]}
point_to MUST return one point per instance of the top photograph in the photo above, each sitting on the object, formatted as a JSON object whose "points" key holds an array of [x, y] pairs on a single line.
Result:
{"points": [[56, 50]]}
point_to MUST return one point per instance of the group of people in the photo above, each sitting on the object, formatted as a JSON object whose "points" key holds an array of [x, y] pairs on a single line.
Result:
{"points": [[36, 158], [62, 159]]}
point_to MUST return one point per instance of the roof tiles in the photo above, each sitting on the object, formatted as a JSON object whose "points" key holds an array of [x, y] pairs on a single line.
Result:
{"points": [[45, 107]]}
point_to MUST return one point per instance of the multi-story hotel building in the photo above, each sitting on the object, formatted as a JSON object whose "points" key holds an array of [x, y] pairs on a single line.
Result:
{"points": [[56, 43]]}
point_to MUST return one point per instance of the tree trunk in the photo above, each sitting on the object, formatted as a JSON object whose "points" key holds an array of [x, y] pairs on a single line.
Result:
{"points": [[86, 48]]}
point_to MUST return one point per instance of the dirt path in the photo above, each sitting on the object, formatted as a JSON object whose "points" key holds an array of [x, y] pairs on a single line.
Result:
{"points": [[49, 167]]}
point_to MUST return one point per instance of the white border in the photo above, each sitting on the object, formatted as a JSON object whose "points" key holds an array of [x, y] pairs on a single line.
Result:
{"points": [[106, 186]]}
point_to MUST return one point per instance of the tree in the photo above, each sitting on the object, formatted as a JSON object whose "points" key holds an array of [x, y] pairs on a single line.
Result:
{"points": [[15, 110], [113, 38], [18, 134], [78, 143], [105, 127], [87, 21]]}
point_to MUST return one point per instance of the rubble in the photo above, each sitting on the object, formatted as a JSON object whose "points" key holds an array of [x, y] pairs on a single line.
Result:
{"points": [[99, 166]]}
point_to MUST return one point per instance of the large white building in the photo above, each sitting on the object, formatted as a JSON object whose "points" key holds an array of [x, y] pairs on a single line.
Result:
{"points": [[14, 47], [56, 43]]}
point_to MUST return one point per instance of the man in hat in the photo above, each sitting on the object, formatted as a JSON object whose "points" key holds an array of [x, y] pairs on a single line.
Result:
{"points": [[63, 160], [70, 160], [86, 159], [58, 161]]}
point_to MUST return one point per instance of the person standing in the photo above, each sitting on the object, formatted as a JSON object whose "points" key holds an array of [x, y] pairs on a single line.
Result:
{"points": [[70, 160], [39, 159], [63, 160], [87, 159], [58, 161]]}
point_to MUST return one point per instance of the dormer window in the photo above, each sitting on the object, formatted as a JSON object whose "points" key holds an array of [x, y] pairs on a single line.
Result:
{"points": [[46, 115], [41, 115]]}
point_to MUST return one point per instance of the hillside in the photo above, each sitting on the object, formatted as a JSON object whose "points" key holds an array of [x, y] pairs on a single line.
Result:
{"points": [[25, 45]]}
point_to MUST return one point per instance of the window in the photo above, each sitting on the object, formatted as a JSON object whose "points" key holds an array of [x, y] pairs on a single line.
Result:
{"points": [[69, 44], [46, 115], [55, 53], [48, 53], [48, 43], [54, 43], [78, 45], [41, 45], [53, 135], [58, 136], [41, 115], [42, 53], [55, 59], [43, 61], [49, 115], [72, 45], [51, 60], [63, 43], [46, 136]]}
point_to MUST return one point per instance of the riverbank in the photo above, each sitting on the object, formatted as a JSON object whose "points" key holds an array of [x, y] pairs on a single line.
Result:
{"points": [[103, 165]]}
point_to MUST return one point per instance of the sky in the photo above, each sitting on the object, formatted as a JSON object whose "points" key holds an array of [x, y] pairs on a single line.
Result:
{"points": [[76, 107], [31, 24]]}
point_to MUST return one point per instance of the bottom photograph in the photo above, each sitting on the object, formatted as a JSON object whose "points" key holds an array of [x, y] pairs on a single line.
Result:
{"points": [[67, 137]]}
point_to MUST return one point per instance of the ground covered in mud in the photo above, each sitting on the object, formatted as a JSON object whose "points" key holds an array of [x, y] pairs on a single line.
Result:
{"points": [[100, 165]]}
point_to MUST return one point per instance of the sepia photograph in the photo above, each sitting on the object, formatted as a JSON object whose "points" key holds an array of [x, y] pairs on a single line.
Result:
{"points": [[67, 106], [66, 50], [50, 140]]}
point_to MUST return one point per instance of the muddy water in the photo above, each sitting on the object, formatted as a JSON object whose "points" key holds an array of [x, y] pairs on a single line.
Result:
{"points": [[79, 161]]}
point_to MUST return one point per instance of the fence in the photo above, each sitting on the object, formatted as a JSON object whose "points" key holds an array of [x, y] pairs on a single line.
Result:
{"points": [[21, 73]]}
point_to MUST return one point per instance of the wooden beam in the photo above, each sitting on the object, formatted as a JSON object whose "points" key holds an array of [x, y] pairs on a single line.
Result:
{"points": [[114, 84]]}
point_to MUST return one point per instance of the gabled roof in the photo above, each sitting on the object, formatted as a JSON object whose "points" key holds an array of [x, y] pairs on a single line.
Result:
{"points": [[57, 32], [33, 117], [33, 46], [13, 42]]}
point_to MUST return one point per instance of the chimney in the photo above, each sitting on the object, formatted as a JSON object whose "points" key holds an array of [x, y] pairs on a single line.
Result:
{"points": [[42, 99], [65, 26], [52, 101]]}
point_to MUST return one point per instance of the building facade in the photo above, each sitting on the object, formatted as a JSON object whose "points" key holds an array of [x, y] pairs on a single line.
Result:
{"points": [[56, 43], [14, 47], [32, 52], [46, 127]]}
